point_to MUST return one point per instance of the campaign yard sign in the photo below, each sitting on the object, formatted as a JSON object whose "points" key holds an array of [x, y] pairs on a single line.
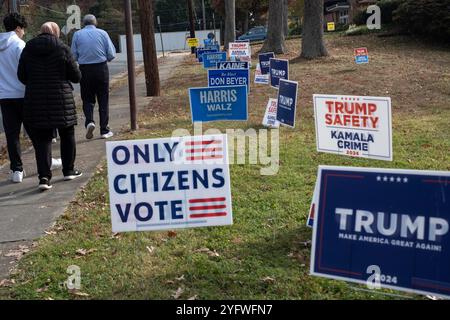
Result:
{"points": [[264, 62], [331, 26], [240, 51], [354, 125], [279, 69], [287, 102], [229, 77], [232, 65], [169, 183], [384, 227], [259, 77], [213, 46], [200, 53], [361, 55], [219, 103], [270, 116], [192, 42], [210, 59]]}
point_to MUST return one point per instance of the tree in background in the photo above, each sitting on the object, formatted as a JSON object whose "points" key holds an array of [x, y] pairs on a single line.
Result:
{"points": [[230, 22], [313, 45], [275, 31]]}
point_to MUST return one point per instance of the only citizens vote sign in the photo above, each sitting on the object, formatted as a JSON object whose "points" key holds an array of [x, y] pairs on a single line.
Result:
{"points": [[170, 183]]}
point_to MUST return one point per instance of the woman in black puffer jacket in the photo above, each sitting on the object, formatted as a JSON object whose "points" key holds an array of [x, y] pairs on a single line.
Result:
{"points": [[47, 69]]}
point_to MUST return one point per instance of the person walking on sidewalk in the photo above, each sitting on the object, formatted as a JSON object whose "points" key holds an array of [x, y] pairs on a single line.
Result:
{"points": [[93, 49], [47, 68], [11, 90]]}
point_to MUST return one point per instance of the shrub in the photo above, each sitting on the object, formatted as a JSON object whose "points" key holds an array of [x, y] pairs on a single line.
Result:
{"points": [[429, 18]]}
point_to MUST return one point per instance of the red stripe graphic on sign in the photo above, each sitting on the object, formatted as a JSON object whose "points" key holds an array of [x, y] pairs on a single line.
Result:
{"points": [[203, 150], [206, 200], [207, 207]]}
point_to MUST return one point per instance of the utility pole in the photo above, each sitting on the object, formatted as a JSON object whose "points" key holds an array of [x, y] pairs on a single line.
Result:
{"points": [[131, 63], [149, 48], [204, 14], [191, 21]]}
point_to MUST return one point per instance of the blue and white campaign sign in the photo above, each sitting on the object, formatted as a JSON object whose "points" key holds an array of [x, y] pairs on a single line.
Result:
{"points": [[264, 61], [219, 103], [259, 77], [279, 69], [354, 126], [287, 102], [213, 46], [229, 77], [385, 227], [210, 59], [232, 65], [171, 183], [361, 55], [200, 53]]}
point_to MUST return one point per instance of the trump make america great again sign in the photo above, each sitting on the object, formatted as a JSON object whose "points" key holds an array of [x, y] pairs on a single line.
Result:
{"points": [[383, 227], [170, 183], [354, 126]]}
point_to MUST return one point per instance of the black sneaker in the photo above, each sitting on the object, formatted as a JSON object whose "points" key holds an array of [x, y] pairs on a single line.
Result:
{"points": [[72, 175], [44, 184]]}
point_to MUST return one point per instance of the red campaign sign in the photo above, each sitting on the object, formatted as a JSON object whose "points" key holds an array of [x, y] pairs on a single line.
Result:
{"points": [[361, 52]]}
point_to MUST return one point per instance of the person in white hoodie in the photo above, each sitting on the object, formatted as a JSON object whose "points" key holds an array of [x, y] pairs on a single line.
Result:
{"points": [[12, 91]]}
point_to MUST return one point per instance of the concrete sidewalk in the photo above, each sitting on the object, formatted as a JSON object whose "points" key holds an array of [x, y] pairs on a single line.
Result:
{"points": [[25, 212]]}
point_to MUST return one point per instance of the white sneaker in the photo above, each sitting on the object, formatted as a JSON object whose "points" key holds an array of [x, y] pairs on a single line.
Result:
{"points": [[17, 176], [107, 135], [90, 130], [56, 164]]}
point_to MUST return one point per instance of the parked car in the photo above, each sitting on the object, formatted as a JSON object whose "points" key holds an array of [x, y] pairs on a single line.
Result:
{"points": [[255, 34]]}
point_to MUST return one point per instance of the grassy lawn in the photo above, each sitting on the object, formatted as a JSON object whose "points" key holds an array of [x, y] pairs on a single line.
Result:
{"points": [[265, 254]]}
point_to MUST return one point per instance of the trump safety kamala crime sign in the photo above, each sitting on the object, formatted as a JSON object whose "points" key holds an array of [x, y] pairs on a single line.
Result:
{"points": [[384, 228], [354, 126], [179, 182]]}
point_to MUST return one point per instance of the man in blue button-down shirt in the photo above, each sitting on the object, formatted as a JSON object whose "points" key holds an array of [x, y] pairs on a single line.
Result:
{"points": [[93, 49]]}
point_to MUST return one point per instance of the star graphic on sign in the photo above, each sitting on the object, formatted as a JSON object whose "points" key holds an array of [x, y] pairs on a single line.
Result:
{"points": [[385, 179], [405, 180], [392, 179], [399, 179], [378, 178]]}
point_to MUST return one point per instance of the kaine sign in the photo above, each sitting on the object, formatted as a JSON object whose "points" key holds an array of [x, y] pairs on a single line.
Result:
{"points": [[354, 126], [210, 59], [264, 62], [218, 103], [229, 77], [287, 102], [232, 65], [279, 69], [384, 228], [171, 183]]}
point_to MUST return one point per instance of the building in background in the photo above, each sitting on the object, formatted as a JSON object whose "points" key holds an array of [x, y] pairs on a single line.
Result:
{"points": [[343, 11]]}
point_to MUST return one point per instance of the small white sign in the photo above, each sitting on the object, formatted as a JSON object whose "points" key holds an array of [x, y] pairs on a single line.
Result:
{"points": [[259, 77], [270, 117], [170, 183], [240, 51], [354, 126]]}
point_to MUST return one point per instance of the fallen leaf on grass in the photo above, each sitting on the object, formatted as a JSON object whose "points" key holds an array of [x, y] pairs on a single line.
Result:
{"points": [[6, 283], [172, 234], [208, 252], [150, 249], [78, 293], [193, 297], [178, 293], [180, 278], [268, 279]]}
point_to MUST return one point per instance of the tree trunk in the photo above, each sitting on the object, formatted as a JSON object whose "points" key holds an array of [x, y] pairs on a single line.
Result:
{"points": [[275, 33], [149, 48], [285, 18], [245, 24], [230, 22], [191, 22], [313, 45]]}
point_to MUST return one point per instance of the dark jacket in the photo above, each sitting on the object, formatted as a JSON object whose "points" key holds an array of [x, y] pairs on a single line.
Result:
{"points": [[46, 68]]}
